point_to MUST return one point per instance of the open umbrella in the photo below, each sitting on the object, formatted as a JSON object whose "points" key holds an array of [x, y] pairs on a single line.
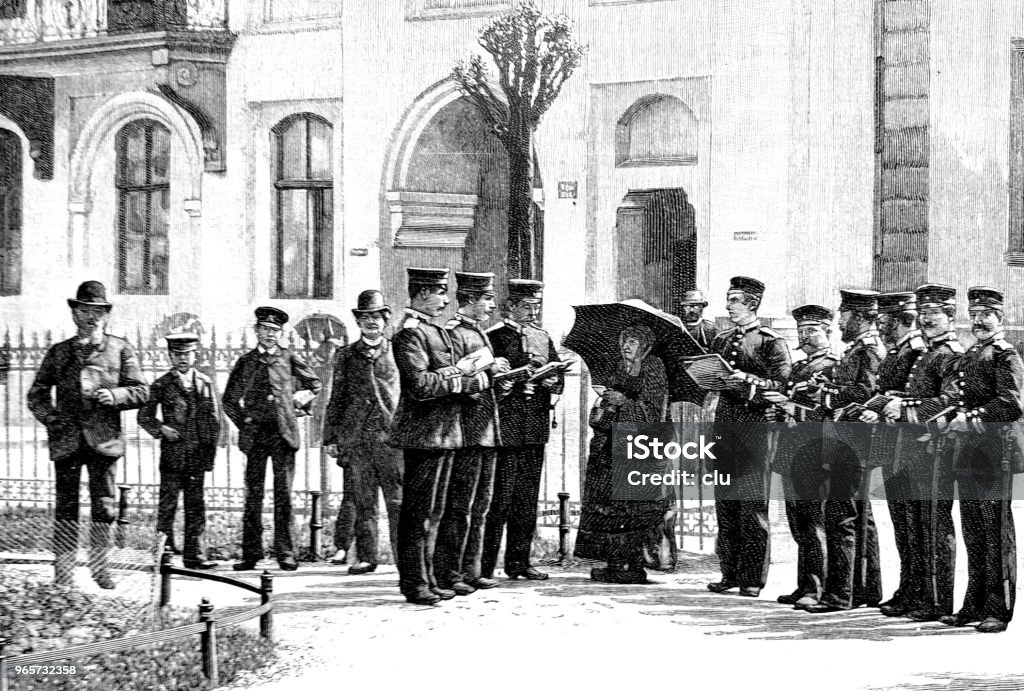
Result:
{"points": [[595, 337]]}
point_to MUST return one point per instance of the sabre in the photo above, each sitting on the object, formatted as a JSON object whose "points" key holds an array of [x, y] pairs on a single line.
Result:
{"points": [[865, 488], [1004, 509], [933, 500]]}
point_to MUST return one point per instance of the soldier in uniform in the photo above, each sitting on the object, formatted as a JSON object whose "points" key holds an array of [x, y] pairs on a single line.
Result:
{"points": [[986, 389], [188, 429], [760, 358], [260, 398], [96, 376], [692, 307], [457, 561], [524, 415], [427, 427], [849, 527], [897, 326], [357, 423], [801, 438], [927, 464]]}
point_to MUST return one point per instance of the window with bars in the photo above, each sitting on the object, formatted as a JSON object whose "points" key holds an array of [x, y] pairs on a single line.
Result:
{"points": [[10, 213], [303, 207], [143, 200]]}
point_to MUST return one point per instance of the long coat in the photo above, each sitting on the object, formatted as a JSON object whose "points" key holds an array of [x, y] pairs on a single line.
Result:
{"points": [[361, 385], [111, 365], [192, 414], [478, 412], [244, 398]]}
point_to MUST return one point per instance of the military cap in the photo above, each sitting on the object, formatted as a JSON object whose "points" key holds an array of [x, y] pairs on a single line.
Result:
{"points": [[813, 314], [858, 300], [90, 294], [474, 282], [893, 303], [935, 295], [427, 277], [525, 289], [182, 342], [370, 301], [748, 285], [271, 316], [694, 297], [984, 296]]}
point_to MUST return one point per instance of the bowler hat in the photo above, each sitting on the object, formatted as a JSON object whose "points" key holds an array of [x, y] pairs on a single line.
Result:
{"points": [[90, 294], [182, 342], [271, 316], [370, 301], [748, 285], [694, 297]]}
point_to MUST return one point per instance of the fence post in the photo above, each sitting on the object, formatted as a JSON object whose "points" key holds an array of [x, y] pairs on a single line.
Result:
{"points": [[3, 664], [209, 642], [121, 534], [316, 525], [267, 618], [563, 526], [165, 577]]}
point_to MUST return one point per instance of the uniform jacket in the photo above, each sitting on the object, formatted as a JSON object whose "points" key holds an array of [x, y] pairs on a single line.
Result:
{"points": [[855, 378], [703, 332], [804, 426], [111, 365], [478, 411], [525, 419], [193, 414], [269, 403], [428, 410], [756, 350], [901, 362], [363, 384]]}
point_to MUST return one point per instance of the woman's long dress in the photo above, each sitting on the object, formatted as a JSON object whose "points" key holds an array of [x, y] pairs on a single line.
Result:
{"points": [[610, 530]]}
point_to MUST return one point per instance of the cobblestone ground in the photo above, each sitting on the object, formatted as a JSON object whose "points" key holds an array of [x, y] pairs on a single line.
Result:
{"points": [[337, 629]]}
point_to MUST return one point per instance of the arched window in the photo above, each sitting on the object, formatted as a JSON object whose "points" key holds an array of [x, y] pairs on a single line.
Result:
{"points": [[143, 199], [303, 207], [10, 213], [657, 131]]}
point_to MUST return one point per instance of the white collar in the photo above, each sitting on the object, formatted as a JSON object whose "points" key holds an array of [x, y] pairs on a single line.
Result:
{"points": [[266, 351], [374, 344]]}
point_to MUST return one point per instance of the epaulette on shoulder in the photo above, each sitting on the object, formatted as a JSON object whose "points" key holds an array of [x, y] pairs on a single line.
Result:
{"points": [[1001, 344], [499, 325], [726, 333], [833, 357], [411, 323], [451, 324], [955, 346], [918, 343], [770, 332]]}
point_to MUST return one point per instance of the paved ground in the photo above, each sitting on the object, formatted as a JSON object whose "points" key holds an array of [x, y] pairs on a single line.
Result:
{"points": [[337, 629]]}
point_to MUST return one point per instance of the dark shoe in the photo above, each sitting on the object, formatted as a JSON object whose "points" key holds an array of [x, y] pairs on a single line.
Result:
{"points": [[895, 608], [924, 615], [599, 574], [865, 603], [361, 568], [104, 581], [443, 593], [199, 565], [339, 557], [287, 564], [422, 597], [245, 565], [461, 588], [529, 573], [721, 586], [805, 601], [823, 608], [961, 618], [790, 599], [991, 625], [750, 591], [483, 583]]}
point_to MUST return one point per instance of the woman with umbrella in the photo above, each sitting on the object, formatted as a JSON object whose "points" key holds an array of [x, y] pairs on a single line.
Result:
{"points": [[615, 531]]}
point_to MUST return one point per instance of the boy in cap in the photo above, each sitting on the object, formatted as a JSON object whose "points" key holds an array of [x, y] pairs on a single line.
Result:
{"points": [[262, 401], [357, 424], [188, 429], [96, 376], [692, 308]]}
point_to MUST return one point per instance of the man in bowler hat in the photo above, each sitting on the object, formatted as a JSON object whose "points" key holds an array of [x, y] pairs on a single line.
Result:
{"points": [[358, 421], [427, 428], [262, 401], [692, 310], [188, 428], [524, 416], [96, 376]]}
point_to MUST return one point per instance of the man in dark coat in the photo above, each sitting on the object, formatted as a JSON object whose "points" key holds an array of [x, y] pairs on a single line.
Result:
{"points": [[987, 390], [260, 398], [364, 395], [96, 376], [761, 362], [849, 526], [427, 428], [188, 429], [692, 308], [525, 419]]}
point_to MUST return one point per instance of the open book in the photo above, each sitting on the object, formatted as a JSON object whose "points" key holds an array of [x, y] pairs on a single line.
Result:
{"points": [[476, 362], [550, 370], [709, 372]]}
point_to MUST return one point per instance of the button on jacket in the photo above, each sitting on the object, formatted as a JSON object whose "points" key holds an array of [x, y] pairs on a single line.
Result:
{"points": [[192, 413], [364, 393]]}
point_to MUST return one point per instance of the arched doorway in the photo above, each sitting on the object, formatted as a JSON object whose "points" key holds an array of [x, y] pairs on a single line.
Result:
{"points": [[656, 240]]}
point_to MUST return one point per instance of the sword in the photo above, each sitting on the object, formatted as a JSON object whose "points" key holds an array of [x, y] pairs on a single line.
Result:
{"points": [[1005, 506], [865, 488], [933, 502]]}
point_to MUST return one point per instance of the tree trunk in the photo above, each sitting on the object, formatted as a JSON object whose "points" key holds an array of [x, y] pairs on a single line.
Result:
{"points": [[520, 198]]}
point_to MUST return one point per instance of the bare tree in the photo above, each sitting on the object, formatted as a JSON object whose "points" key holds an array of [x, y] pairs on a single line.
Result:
{"points": [[535, 53]]}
